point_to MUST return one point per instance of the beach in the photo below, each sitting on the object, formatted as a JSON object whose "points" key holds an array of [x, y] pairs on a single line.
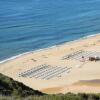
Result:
{"points": [[58, 69]]}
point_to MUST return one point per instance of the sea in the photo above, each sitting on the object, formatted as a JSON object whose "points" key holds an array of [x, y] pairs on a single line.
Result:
{"points": [[30, 25]]}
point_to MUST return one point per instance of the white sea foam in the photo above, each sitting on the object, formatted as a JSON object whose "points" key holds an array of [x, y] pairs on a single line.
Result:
{"points": [[14, 57], [34, 51]]}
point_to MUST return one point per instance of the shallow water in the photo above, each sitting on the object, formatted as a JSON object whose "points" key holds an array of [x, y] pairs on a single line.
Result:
{"points": [[27, 25]]}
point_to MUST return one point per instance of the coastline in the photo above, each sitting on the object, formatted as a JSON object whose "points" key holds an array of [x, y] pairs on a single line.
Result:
{"points": [[53, 72], [38, 50]]}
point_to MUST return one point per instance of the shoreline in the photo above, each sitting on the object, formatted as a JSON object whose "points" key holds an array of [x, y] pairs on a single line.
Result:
{"points": [[57, 66], [38, 50]]}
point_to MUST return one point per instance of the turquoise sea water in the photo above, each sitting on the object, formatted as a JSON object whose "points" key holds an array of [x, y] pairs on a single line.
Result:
{"points": [[27, 25]]}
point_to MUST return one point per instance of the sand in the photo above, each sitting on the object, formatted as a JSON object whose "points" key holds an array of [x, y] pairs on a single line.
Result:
{"points": [[66, 82]]}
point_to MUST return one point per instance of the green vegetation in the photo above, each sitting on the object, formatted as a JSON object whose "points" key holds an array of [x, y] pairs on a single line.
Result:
{"points": [[13, 90], [9, 87]]}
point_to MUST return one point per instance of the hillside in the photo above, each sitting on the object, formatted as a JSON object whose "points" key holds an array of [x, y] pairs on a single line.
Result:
{"points": [[13, 90], [9, 87]]}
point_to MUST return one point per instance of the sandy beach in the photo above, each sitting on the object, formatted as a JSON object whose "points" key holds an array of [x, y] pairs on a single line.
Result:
{"points": [[66, 70]]}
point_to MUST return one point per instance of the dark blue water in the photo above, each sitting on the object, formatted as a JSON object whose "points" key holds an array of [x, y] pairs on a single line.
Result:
{"points": [[27, 25]]}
